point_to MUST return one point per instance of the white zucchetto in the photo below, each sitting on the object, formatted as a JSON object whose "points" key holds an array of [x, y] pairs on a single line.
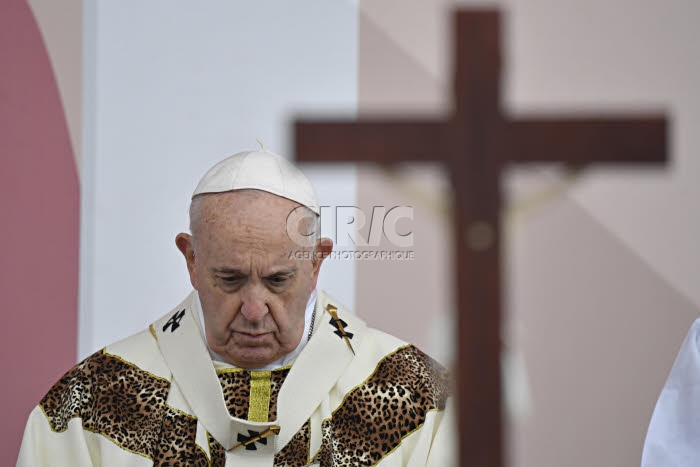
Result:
{"points": [[259, 170]]}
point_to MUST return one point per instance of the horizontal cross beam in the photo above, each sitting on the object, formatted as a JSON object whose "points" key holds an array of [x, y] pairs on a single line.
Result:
{"points": [[369, 141], [619, 140]]}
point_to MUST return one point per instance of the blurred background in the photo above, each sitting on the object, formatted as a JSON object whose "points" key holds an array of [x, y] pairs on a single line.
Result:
{"points": [[111, 111]]}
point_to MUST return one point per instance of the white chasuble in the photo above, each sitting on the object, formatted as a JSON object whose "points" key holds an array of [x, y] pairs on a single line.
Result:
{"points": [[673, 437], [354, 396]]}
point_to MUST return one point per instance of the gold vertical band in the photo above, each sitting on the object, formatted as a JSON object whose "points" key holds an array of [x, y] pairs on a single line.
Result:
{"points": [[259, 406]]}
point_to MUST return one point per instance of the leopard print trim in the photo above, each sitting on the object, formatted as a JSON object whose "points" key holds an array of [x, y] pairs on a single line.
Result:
{"points": [[113, 398], [178, 447], [377, 415], [235, 384], [220, 371], [126, 405], [218, 453], [277, 378], [236, 389], [296, 452]]}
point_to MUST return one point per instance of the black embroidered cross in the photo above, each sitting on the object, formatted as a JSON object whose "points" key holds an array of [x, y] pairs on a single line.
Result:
{"points": [[339, 326], [174, 322], [255, 437]]}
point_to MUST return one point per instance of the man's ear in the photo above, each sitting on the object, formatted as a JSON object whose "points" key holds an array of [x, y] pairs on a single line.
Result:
{"points": [[185, 244], [324, 246]]}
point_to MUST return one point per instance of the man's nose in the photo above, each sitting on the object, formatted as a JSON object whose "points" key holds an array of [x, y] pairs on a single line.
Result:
{"points": [[254, 308]]}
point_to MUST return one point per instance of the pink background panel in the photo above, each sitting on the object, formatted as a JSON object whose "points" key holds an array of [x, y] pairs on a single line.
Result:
{"points": [[39, 208]]}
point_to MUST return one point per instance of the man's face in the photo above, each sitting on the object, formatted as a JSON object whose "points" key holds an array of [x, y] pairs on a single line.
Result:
{"points": [[252, 287]]}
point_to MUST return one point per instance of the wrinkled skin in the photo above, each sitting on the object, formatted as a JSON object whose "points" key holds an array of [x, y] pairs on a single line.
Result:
{"points": [[253, 293]]}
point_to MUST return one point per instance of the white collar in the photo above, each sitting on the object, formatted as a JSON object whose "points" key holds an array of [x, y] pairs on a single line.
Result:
{"points": [[285, 360]]}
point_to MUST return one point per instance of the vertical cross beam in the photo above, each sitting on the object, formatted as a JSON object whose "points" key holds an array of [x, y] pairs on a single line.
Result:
{"points": [[476, 129]]}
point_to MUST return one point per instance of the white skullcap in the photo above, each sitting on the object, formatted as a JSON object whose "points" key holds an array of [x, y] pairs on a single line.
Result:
{"points": [[259, 170]]}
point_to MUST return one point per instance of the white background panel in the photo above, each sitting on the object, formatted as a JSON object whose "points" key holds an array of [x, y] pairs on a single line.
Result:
{"points": [[172, 87]]}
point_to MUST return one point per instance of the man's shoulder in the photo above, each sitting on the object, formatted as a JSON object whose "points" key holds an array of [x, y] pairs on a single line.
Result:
{"points": [[410, 368], [142, 351], [138, 352], [134, 358], [389, 361], [388, 395], [122, 371]]}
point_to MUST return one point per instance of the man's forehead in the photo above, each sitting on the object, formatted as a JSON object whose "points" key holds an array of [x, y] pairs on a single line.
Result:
{"points": [[247, 200], [252, 218], [259, 256]]}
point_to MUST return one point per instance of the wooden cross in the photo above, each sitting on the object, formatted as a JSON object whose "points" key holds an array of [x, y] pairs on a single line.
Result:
{"points": [[476, 142]]}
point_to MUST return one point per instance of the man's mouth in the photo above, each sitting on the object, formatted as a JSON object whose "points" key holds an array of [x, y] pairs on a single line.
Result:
{"points": [[254, 336]]}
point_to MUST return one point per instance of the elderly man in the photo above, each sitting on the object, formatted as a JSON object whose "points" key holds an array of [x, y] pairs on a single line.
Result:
{"points": [[256, 366]]}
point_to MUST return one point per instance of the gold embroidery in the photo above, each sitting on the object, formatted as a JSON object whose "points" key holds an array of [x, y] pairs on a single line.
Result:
{"points": [[259, 406], [72, 398], [418, 427], [273, 430], [180, 412], [119, 445], [221, 371], [211, 453], [296, 451], [374, 372], [348, 394], [332, 310], [416, 402], [133, 365], [201, 449], [311, 458]]}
